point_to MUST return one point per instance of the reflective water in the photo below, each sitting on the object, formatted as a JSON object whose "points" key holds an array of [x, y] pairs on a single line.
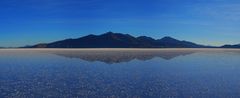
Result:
{"points": [[119, 73]]}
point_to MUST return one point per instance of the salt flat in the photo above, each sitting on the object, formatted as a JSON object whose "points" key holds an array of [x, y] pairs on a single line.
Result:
{"points": [[124, 73]]}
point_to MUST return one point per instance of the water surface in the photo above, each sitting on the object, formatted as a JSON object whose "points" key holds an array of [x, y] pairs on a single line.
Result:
{"points": [[120, 73]]}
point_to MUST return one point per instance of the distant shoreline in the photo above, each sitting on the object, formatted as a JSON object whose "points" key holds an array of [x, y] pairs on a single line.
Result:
{"points": [[119, 49]]}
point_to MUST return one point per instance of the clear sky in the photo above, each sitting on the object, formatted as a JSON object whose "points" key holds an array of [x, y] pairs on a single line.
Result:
{"points": [[209, 22]]}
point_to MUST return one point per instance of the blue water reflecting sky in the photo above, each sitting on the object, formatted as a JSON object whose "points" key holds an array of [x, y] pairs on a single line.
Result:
{"points": [[188, 73]]}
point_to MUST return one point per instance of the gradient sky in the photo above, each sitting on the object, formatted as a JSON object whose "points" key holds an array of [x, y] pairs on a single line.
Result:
{"points": [[209, 22]]}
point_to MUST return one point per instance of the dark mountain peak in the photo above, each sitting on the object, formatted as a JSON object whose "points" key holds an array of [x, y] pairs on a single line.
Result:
{"points": [[108, 34], [114, 34], [118, 36], [169, 42], [168, 39], [145, 38], [91, 35]]}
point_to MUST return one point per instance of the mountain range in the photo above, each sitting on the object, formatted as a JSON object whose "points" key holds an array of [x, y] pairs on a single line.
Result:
{"points": [[119, 40], [231, 46]]}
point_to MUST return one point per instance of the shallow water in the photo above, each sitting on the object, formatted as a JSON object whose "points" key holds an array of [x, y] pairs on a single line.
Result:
{"points": [[176, 73]]}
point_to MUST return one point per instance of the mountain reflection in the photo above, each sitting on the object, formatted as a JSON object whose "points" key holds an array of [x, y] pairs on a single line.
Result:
{"points": [[119, 56]]}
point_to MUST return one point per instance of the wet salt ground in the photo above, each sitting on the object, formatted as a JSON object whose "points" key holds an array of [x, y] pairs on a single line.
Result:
{"points": [[184, 74]]}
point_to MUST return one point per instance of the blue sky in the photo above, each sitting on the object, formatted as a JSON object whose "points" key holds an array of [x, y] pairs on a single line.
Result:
{"points": [[209, 22]]}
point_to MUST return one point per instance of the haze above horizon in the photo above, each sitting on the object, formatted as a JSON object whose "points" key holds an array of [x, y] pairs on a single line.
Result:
{"points": [[208, 22]]}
